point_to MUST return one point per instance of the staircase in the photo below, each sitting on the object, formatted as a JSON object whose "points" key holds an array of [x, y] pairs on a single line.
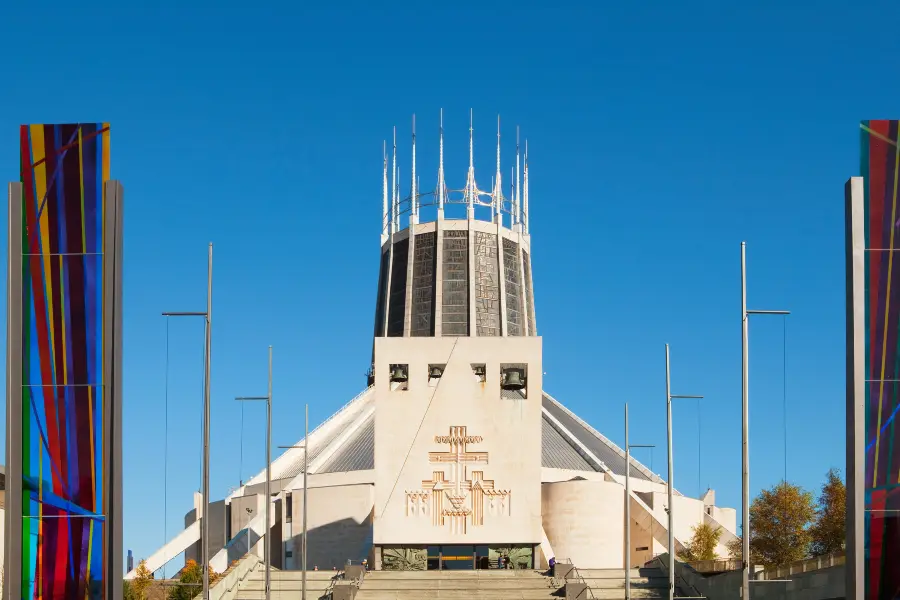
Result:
{"points": [[610, 583], [285, 585], [477, 585], [604, 584]]}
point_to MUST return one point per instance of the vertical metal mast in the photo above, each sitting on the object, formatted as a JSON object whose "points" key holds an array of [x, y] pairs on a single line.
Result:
{"points": [[385, 222], [395, 220], [517, 211], [671, 522], [671, 487], [470, 179], [525, 192], [627, 510], [745, 421], [745, 435], [497, 217], [305, 494], [206, 404], [441, 184], [414, 196], [268, 529]]}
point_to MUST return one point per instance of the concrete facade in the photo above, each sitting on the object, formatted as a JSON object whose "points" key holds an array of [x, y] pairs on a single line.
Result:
{"points": [[496, 460]]}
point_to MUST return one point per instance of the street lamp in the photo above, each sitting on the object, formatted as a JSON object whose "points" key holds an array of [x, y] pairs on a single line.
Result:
{"points": [[671, 509], [628, 448], [267, 546], [745, 424], [204, 519], [303, 546]]}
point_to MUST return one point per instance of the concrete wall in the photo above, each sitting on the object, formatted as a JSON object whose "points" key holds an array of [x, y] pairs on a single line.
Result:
{"points": [[217, 523], [584, 521], [409, 421], [826, 584], [339, 525], [240, 516]]}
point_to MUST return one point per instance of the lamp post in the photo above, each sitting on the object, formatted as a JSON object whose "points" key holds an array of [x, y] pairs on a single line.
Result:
{"points": [[671, 509], [267, 546], [628, 448], [745, 424], [204, 518], [303, 546]]}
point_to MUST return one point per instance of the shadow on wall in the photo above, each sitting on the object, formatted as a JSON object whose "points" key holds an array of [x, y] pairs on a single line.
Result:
{"points": [[241, 544], [331, 545]]}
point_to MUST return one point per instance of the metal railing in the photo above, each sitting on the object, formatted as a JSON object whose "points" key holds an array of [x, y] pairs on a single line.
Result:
{"points": [[580, 578], [803, 566], [681, 582], [715, 566]]}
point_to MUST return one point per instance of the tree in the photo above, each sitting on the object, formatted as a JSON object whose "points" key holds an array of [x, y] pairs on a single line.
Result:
{"points": [[703, 543], [190, 578], [780, 525], [142, 580], [828, 530], [735, 548]]}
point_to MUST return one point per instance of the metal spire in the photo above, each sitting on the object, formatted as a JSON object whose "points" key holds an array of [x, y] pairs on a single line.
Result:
{"points": [[470, 180], [525, 192], [512, 192], [441, 184], [384, 194], [498, 188], [413, 198], [517, 215], [395, 220]]}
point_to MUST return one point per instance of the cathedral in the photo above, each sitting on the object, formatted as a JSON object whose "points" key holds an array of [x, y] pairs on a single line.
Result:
{"points": [[454, 455]]}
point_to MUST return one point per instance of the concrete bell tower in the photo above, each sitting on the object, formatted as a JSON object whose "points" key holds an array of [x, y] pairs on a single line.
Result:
{"points": [[456, 365]]}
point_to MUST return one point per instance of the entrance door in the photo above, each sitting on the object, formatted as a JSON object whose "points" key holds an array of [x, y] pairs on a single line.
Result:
{"points": [[457, 557]]}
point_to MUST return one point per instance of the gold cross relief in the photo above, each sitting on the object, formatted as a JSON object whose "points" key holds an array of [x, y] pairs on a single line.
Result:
{"points": [[460, 488]]}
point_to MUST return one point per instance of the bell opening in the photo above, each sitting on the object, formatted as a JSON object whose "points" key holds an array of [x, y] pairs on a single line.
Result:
{"points": [[514, 378], [399, 375]]}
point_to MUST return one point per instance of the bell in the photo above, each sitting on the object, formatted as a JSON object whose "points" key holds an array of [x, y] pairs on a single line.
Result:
{"points": [[398, 374], [513, 380], [436, 372]]}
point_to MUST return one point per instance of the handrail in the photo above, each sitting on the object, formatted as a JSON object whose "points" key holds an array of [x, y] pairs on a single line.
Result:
{"points": [[580, 577], [716, 565], [802, 566], [678, 576]]}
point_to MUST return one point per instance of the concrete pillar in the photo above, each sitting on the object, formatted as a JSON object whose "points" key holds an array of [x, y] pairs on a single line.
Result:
{"points": [[410, 261], [504, 327], [473, 318], [438, 314]]}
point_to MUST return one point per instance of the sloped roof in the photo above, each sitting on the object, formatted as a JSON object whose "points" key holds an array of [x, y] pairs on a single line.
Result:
{"points": [[346, 442]]}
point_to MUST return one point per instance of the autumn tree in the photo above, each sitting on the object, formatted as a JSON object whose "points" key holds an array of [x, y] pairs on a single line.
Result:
{"points": [[703, 543], [780, 521], [735, 547], [143, 578], [828, 529], [189, 580]]}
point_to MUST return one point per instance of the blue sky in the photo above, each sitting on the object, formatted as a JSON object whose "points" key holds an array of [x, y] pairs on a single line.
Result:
{"points": [[659, 138]]}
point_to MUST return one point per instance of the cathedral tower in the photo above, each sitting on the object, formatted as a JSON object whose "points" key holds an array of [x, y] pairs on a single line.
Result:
{"points": [[456, 366]]}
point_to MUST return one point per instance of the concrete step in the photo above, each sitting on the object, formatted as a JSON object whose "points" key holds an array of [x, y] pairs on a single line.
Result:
{"points": [[618, 573], [455, 594], [274, 595], [293, 575], [636, 583], [475, 574], [399, 585], [284, 585]]}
